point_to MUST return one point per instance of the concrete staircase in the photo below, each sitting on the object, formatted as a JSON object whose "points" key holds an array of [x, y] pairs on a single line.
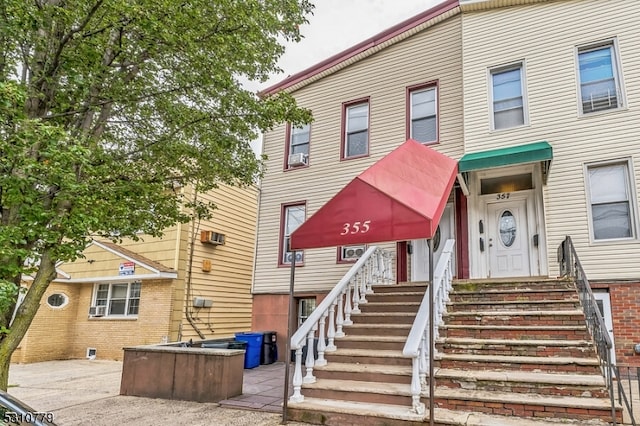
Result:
{"points": [[508, 354]]}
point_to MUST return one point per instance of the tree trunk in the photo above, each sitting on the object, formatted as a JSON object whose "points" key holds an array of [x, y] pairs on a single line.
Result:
{"points": [[24, 316]]}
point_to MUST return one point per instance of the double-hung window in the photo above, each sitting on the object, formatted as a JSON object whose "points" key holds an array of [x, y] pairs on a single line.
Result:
{"points": [[423, 114], [121, 299], [507, 97], [600, 83], [298, 146], [292, 218], [356, 129], [610, 200]]}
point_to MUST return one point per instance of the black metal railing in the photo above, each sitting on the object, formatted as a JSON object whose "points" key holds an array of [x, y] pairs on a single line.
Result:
{"points": [[570, 267], [628, 380]]}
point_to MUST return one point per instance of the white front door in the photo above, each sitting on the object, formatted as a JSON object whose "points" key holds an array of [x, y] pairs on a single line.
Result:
{"points": [[420, 248], [604, 304], [508, 239]]}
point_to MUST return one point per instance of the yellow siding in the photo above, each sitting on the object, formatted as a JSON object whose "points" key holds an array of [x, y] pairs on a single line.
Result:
{"points": [[98, 262], [228, 284], [433, 54], [545, 36]]}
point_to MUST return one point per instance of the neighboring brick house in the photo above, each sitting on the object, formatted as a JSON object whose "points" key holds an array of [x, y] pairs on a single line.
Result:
{"points": [[192, 283], [536, 99]]}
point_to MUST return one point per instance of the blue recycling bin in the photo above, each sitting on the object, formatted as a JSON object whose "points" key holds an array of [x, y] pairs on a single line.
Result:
{"points": [[254, 346]]}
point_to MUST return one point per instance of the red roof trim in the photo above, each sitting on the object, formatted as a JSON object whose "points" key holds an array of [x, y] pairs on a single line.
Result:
{"points": [[363, 46]]}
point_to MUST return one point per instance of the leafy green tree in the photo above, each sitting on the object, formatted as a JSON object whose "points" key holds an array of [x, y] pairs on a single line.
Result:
{"points": [[106, 106]]}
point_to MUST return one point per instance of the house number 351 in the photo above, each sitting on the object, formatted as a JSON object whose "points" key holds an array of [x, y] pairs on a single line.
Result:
{"points": [[355, 227]]}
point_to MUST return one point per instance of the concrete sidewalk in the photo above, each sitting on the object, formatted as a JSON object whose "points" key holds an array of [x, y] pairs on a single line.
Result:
{"points": [[81, 392]]}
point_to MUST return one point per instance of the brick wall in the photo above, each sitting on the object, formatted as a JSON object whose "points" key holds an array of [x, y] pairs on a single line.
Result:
{"points": [[625, 306], [67, 332]]}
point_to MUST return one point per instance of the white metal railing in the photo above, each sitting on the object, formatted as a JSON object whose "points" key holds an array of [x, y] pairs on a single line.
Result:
{"points": [[375, 266], [417, 346]]}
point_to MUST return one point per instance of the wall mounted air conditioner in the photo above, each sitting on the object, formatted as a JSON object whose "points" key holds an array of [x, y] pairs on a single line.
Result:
{"points": [[298, 257], [299, 159], [98, 311], [352, 252], [210, 237]]}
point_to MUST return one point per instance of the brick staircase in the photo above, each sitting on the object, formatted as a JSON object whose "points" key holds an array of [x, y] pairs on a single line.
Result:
{"points": [[508, 354]]}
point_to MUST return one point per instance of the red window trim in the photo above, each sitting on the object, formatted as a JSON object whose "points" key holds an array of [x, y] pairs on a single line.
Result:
{"points": [[287, 148], [283, 209], [343, 127], [413, 88]]}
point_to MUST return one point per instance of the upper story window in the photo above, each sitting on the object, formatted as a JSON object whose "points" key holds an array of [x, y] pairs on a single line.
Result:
{"points": [[121, 299], [298, 146], [600, 82], [356, 129], [293, 216], [610, 200], [507, 97], [423, 114]]}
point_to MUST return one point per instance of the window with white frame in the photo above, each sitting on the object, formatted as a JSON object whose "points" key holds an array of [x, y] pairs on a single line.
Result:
{"points": [[423, 114], [600, 85], [122, 299], [356, 136], [507, 97], [298, 149], [610, 200], [305, 307], [293, 216]]}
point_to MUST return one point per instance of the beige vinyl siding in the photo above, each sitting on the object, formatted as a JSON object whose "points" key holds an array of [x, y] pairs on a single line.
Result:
{"points": [[431, 55], [545, 37]]}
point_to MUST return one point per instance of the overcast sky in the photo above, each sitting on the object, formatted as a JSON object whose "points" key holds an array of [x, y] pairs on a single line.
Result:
{"points": [[339, 24]]}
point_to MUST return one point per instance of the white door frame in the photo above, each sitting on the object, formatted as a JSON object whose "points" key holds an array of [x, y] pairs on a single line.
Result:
{"points": [[607, 316], [477, 219], [420, 250]]}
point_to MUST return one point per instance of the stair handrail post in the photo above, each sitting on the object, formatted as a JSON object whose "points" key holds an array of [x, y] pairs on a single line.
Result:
{"points": [[310, 361], [322, 346], [366, 276], [416, 346], [416, 389], [356, 293], [347, 304], [331, 328], [340, 316], [423, 359], [297, 378]]}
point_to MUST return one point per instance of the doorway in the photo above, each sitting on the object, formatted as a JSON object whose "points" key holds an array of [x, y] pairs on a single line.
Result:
{"points": [[420, 248], [508, 239]]}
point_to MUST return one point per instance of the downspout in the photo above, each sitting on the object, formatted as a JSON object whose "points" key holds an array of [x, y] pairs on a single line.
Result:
{"points": [[192, 241]]}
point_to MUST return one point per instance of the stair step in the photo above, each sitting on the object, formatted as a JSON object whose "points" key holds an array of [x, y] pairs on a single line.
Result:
{"points": [[351, 341], [522, 363], [515, 305], [378, 329], [524, 405], [401, 296], [364, 372], [366, 356], [555, 348], [509, 284], [395, 288], [522, 317], [390, 307], [519, 332], [513, 294], [524, 382], [384, 317], [361, 391], [337, 413]]}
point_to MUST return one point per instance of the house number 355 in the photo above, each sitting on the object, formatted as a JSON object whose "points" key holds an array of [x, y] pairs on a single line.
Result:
{"points": [[355, 227]]}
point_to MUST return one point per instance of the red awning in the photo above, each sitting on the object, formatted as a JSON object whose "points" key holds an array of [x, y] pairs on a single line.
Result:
{"points": [[400, 197]]}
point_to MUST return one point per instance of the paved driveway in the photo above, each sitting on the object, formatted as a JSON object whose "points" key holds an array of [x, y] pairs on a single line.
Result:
{"points": [[81, 392]]}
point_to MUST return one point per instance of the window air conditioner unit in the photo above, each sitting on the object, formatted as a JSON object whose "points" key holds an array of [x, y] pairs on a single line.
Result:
{"points": [[352, 252], [298, 257], [210, 237], [98, 311], [299, 159]]}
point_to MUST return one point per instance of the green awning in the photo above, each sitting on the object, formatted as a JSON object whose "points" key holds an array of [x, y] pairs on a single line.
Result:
{"points": [[521, 154]]}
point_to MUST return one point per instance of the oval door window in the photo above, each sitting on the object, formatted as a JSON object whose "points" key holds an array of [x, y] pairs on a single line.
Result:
{"points": [[436, 239], [507, 228]]}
